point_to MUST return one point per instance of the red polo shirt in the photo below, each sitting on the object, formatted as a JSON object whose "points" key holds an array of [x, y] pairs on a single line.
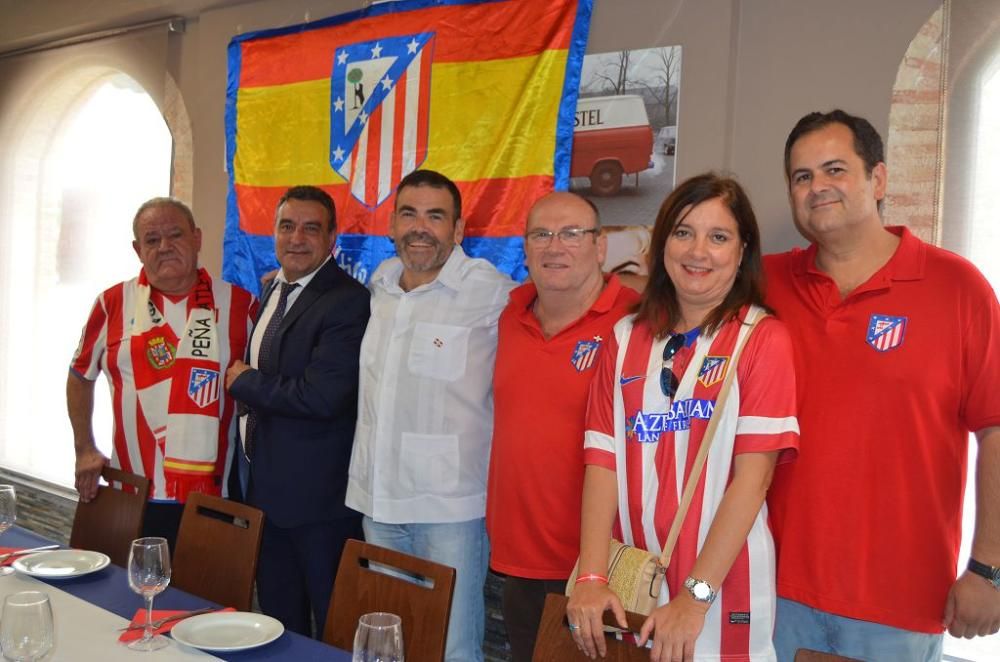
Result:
{"points": [[539, 401], [891, 380]]}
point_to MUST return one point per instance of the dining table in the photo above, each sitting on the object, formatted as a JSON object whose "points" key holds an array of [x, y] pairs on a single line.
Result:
{"points": [[89, 612]]}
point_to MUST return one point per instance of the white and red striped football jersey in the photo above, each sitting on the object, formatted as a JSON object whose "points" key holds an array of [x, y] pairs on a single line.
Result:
{"points": [[104, 346], [650, 441]]}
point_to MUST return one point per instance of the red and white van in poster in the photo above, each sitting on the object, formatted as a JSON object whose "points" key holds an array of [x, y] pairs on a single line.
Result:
{"points": [[611, 138]]}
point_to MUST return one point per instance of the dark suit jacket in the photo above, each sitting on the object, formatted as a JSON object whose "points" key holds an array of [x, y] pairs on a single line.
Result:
{"points": [[306, 410]]}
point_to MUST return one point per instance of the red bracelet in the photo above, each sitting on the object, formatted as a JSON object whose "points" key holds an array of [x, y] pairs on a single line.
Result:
{"points": [[592, 578]]}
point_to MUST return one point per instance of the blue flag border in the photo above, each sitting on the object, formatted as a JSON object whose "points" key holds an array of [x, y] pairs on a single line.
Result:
{"points": [[356, 253]]}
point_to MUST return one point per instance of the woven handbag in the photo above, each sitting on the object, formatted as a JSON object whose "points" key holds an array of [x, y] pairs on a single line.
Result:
{"points": [[635, 575]]}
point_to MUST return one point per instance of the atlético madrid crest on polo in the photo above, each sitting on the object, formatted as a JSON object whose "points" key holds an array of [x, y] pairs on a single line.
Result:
{"points": [[886, 332], [585, 353], [379, 110]]}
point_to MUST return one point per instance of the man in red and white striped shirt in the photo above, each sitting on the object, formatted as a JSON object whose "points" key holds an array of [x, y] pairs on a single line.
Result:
{"points": [[162, 340]]}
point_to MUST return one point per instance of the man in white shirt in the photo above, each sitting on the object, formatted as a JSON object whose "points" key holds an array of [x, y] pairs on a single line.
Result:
{"points": [[425, 409]]}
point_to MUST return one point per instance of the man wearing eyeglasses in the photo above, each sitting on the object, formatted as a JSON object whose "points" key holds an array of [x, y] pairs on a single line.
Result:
{"points": [[425, 410], [551, 334], [897, 345]]}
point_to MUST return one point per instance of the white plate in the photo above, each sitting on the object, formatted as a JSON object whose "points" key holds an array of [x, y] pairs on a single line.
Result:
{"points": [[227, 631], [61, 563]]}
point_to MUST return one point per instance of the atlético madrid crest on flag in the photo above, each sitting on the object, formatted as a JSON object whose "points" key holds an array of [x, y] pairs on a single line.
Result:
{"points": [[203, 387], [379, 109], [713, 369], [885, 332]]}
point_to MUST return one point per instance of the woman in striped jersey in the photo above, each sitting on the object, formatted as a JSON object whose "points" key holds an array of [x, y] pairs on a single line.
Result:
{"points": [[650, 404]]}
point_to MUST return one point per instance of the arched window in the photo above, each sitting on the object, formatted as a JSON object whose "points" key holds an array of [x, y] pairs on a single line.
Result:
{"points": [[985, 247], [91, 147], [944, 162]]}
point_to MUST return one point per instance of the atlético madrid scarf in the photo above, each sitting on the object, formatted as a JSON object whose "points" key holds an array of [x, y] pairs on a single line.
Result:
{"points": [[179, 384]]}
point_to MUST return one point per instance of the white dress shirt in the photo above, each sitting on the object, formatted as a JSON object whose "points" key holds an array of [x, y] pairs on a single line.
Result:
{"points": [[272, 304], [425, 406]]}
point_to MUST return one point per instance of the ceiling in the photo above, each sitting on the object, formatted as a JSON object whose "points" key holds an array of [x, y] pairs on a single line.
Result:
{"points": [[27, 23]]}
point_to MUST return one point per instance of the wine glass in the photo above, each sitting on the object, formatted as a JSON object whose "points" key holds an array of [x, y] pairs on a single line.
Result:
{"points": [[379, 638], [8, 515], [148, 575], [26, 631]]}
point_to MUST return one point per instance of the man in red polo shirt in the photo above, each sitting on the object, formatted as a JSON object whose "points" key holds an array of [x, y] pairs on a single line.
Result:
{"points": [[551, 334], [897, 353]]}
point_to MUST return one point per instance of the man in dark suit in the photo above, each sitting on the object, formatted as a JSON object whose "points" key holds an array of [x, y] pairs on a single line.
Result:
{"points": [[301, 389]]}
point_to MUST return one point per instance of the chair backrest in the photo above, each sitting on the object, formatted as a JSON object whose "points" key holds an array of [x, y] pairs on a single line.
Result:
{"points": [[423, 605], [806, 655], [110, 522], [555, 643], [217, 548]]}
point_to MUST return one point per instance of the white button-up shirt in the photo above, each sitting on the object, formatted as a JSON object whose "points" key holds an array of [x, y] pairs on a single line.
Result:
{"points": [[425, 406]]}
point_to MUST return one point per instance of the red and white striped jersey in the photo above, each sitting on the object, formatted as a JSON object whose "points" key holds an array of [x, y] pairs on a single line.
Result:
{"points": [[105, 346], [651, 441]]}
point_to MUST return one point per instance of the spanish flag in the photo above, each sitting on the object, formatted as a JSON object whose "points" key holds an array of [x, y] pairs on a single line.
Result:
{"points": [[482, 91]]}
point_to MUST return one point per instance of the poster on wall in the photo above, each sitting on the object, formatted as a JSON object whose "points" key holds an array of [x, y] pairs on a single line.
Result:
{"points": [[625, 143], [354, 102]]}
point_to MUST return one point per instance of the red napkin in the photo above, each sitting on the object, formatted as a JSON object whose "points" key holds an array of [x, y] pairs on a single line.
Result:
{"points": [[140, 619], [11, 559]]}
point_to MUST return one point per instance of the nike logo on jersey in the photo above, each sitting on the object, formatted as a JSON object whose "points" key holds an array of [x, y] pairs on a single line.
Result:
{"points": [[629, 380]]}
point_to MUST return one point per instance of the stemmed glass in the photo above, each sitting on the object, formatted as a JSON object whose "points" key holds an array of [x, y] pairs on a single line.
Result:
{"points": [[379, 638], [8, 515], [26, 631], [148, 575]]}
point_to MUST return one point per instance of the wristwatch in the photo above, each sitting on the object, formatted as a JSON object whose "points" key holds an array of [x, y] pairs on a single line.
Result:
{"points": [[987, 572], [700, 590]]}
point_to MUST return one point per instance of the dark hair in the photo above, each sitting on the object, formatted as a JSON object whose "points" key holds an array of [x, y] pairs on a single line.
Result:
{"points": [[433, 179], [310, 194], [153, 203], [659, 307], [867, 141]]}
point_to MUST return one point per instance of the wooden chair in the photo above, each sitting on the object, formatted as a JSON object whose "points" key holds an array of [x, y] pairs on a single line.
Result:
{"points": [[806, 655], [424, 607], [555, 643], [217, 549], [110, 522]]}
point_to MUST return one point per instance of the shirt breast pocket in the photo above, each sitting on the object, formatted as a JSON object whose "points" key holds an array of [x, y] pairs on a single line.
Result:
{"points": [[439, 351]]}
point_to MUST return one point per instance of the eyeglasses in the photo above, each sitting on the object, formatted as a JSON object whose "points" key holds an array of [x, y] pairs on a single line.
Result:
{"points": [[668, 380], [570, 237]]}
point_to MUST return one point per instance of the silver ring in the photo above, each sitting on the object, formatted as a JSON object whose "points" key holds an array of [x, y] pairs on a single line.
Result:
{"points": [[574, 627]]}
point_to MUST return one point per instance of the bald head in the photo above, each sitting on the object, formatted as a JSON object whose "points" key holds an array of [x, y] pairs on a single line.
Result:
{"points": [[567, 205], [564, 247]]}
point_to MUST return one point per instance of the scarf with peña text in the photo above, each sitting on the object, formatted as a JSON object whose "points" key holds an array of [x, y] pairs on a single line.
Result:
{"points": [[179, 384]]}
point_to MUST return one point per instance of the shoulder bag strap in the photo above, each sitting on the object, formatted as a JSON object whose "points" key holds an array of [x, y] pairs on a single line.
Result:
{"points": [[706, 442]]}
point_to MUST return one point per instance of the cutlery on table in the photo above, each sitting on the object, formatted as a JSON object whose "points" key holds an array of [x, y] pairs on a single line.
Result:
{"points": [[170, 619], [20, 552]]}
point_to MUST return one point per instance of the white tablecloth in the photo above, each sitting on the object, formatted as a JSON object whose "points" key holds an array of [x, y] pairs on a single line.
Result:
{"points": [[85, 632]]}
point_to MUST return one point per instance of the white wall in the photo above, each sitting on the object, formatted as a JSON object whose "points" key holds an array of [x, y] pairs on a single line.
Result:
{"points": [[750, 70]]}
